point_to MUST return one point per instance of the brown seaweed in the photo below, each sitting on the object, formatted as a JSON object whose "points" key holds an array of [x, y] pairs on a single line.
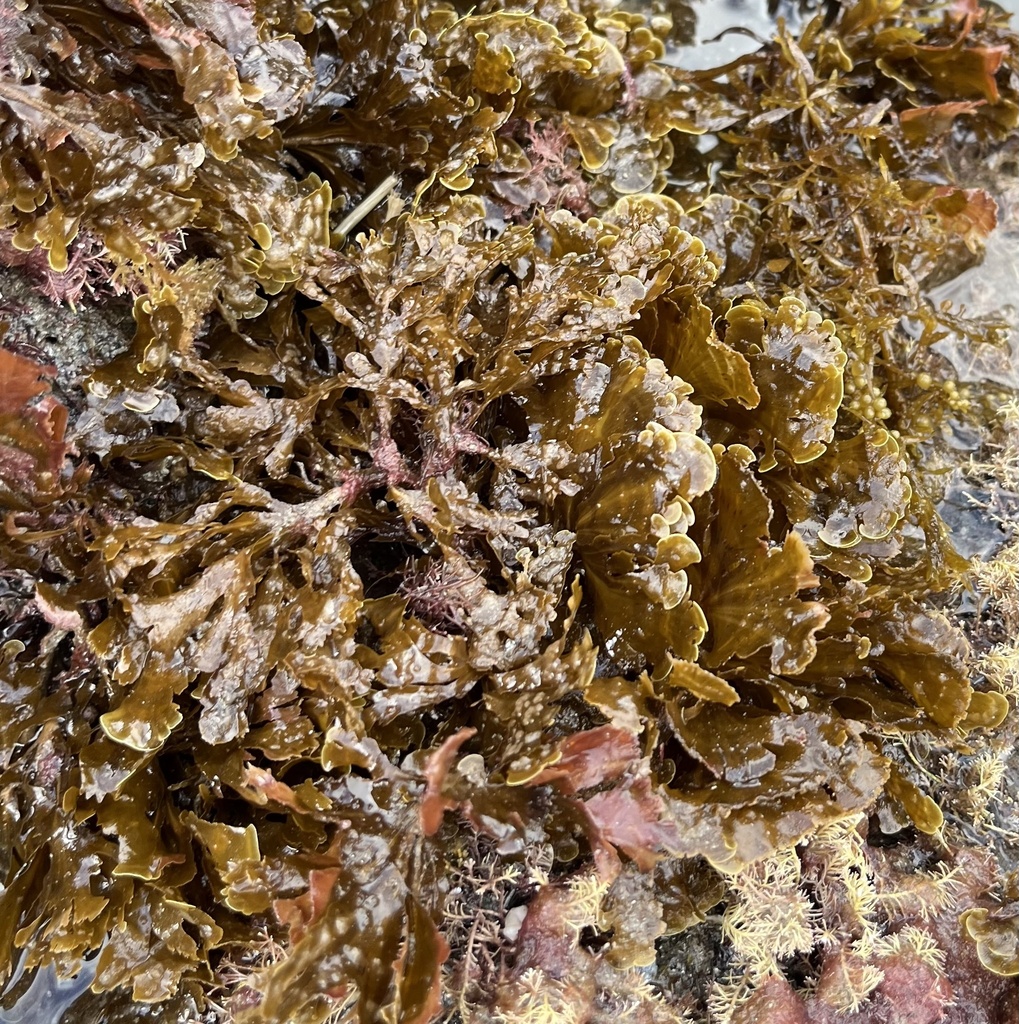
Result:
{"points": [[549, 500]]}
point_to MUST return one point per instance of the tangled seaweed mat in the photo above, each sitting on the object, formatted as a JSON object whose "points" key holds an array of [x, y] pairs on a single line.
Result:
{"points": [[569, 531]]}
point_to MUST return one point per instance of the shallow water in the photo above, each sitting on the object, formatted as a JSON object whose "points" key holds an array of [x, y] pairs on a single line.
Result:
{"points": [[990, 290], [722, 30], [47, 997]]}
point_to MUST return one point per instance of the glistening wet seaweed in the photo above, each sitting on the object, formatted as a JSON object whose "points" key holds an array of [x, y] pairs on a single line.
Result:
{"points": [[568, 527]]}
